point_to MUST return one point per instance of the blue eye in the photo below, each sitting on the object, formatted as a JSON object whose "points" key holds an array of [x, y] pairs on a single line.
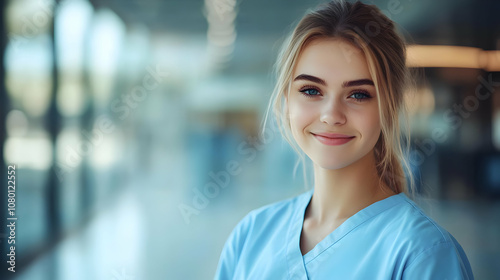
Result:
{"points": [[360, 96], [310, 92]]}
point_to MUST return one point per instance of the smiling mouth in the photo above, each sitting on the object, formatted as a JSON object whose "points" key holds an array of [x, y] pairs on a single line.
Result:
{"points": [[333, 139]]}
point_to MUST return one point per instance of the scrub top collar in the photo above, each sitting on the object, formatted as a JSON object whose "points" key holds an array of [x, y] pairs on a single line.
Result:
{"points": [[296, 261]]}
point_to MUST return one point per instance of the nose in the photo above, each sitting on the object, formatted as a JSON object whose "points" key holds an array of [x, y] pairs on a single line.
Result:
{"points": [[333, 112]]}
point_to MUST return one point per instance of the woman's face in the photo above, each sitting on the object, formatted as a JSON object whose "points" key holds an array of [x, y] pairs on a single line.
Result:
{"points": [[332, 93]]}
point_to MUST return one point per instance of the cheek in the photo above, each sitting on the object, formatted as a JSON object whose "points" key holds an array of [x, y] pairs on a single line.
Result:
{"points": [[300, 114], [370, 124]]}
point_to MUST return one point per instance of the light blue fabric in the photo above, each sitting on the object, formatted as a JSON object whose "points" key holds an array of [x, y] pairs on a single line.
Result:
{"points": [[390, 239]]}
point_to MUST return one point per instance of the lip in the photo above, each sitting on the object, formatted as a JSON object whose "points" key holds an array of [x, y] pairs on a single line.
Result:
{"points": [[333, 139]]}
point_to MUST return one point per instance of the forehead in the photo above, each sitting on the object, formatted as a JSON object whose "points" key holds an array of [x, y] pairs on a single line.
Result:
{"points": [[332, 60]]}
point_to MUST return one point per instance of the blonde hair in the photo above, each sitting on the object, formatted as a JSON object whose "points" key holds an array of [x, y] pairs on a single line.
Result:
{"points": [[368, 29]]}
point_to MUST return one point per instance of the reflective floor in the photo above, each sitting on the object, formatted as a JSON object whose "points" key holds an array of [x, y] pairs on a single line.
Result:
{"points": [[143, 236]]}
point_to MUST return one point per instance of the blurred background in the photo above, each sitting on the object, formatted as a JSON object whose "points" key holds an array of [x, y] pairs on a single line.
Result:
{"points": [[134, 128]]}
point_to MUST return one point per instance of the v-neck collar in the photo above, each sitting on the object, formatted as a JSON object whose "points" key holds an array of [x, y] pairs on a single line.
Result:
{"points": [[297, 261], [296, 266]]}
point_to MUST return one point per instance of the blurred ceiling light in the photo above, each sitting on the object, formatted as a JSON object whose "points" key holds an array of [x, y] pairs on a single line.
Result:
{"points": [[105, 46], [221, 37], [221, 54], [35, 153], [452, 56], [221, 34], [227, 17], [16, 123], [28, 18], [71, 27], [28, 73], [72, 23]]}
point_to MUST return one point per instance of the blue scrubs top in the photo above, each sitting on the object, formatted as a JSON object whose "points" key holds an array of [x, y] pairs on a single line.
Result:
{"points": [[389, 239]]}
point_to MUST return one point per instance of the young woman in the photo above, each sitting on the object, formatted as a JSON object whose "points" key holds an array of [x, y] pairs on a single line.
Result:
{"points": [[341, 77]]}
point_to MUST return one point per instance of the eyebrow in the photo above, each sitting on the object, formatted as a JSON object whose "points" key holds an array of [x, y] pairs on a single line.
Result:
{"points": [[317, 80]]}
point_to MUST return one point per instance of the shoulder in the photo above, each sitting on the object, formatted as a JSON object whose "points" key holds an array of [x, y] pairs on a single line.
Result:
{"points": [[273, 212], [253, 229], [417, 226], [259, 222], [428, 247]]}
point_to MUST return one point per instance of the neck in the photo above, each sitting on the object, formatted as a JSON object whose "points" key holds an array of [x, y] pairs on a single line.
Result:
{"points": [[341, 193]]}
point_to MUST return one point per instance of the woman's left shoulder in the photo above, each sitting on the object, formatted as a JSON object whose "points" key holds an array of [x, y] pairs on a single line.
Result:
{"points": [[415, 222], [429, 247]]}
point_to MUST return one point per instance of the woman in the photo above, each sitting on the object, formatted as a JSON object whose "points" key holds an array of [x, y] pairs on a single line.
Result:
{"points": [[341, 78]]}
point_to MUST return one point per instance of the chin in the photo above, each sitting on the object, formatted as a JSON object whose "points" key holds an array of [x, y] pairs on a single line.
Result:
{"points": [[332, 164]]}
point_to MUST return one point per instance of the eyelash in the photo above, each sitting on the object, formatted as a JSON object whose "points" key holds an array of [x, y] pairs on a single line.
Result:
{"points": [[364, 92]]}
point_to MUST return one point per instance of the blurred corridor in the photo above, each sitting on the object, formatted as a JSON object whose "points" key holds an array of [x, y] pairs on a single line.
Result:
{"points": [[133, 128]]}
